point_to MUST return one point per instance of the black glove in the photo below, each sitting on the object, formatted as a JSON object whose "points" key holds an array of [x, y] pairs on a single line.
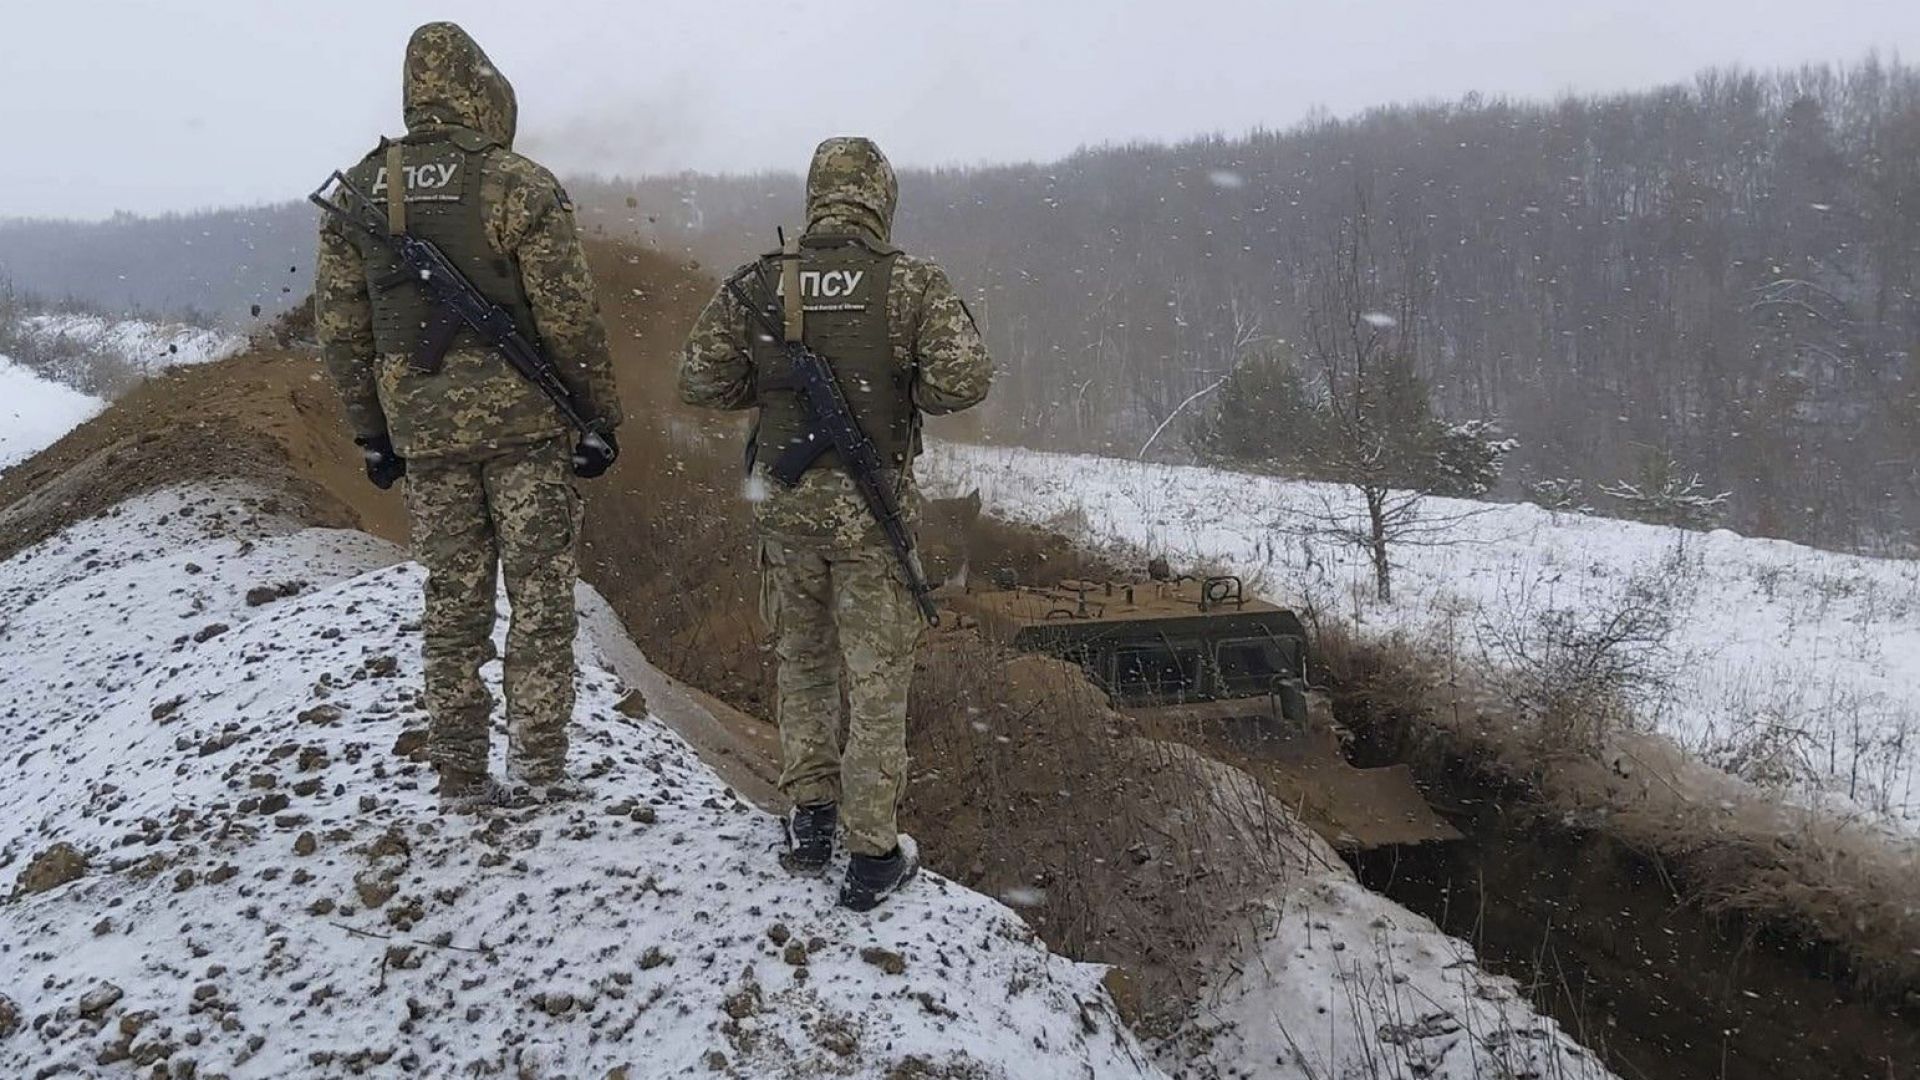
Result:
{"points": [[383, 465], [594, 454]]}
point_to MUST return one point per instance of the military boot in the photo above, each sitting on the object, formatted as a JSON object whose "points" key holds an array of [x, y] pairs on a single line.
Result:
{"points": [[529, 784], [810, 832], [463, 792], [873, 878]]}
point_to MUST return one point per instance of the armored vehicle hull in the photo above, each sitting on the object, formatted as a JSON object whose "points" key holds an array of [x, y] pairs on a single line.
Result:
{"points": [[1200, 661]]}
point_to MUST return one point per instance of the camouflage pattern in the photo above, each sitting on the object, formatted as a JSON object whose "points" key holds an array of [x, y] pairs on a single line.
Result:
{"points": [[850, 188], [449, 79], [850, 180], [475, 404], [517, 510], [489, 478], [853, 611], [831, 588]]}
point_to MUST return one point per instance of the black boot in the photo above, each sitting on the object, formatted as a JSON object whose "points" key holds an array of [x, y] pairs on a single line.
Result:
{"points": [[873, 878], [810, 832]]}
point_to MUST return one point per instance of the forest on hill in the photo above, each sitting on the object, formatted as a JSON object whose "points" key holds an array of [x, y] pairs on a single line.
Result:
{"points": [[1714, 279]]}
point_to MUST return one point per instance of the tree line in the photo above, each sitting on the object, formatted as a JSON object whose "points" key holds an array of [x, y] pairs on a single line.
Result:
{"points": [[1698, 290], [226, 267]]}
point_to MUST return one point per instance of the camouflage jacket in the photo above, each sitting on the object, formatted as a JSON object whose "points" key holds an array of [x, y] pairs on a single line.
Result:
{"points": [[850, 188], [475, 404]]}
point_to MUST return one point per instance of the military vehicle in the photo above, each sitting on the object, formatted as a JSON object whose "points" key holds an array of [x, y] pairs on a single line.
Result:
{"points": [[1199, 660]]}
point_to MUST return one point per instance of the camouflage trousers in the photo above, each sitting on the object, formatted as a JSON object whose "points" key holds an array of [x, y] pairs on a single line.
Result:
{"points": [[516, 510], [829, 611]]}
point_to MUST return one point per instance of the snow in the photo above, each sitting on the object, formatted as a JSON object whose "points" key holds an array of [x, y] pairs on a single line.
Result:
{"points": [[273, 892], [146, 345], [173, 665], [1790, 665], [36, 412], [1327, 981], [1342, 984]]}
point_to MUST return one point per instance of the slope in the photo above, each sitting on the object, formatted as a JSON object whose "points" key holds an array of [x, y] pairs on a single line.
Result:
{"points": [[229, 863], [666, 543]]}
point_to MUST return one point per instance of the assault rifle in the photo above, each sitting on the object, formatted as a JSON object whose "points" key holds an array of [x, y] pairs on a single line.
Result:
{"points": [[455, 301], [835, 429]]}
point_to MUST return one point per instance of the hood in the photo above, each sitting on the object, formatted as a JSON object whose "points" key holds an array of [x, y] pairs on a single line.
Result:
{"points": [[449, 80], [851, 183]]}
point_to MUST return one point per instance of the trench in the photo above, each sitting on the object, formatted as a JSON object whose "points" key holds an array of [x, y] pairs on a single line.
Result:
{"points": [[1608, 944], [1603, 935]]}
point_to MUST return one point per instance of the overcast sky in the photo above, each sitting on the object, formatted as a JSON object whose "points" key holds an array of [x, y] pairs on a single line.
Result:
{"points": [[150, 105]]}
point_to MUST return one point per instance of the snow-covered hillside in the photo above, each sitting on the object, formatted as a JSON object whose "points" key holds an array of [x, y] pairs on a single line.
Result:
{"points": [[1788, 664], [222, 850], [145, 345], [35, 412], [217, 713]]}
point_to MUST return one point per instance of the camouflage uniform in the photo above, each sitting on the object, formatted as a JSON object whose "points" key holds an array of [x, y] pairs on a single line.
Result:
{"points": [[831, 588], [488, 457]]}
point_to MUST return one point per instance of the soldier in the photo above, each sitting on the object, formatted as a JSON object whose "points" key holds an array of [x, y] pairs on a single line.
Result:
{"points": [[488, 459], [901, 344]]}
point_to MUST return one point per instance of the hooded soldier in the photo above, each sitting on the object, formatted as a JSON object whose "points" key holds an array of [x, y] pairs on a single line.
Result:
{"points": [[901, 345], [489, 461]]}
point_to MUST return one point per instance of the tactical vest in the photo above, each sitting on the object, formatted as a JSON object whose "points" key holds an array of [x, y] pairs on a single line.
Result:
{"points": [[844, 284], [441, 173]]}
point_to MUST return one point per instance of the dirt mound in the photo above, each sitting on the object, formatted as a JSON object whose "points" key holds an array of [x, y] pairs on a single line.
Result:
{"points": [[1119, 844], [255, 858], [669, 543], [266, 415]]}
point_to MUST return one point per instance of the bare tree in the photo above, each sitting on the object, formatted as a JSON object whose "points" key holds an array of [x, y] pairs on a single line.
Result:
{"points": [[1361, 324]]}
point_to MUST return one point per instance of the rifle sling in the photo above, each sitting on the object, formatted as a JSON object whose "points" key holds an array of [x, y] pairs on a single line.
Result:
{"points": [[790, 300], [396, 192]]}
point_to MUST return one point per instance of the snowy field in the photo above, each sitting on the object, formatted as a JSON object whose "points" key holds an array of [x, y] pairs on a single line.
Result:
{"points": [[36, 412], [1791, 666], [145, 345], [220, 711]]}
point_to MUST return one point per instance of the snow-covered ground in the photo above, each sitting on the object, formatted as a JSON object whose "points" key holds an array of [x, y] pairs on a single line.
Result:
{"points": [[1788, 664], [75, 354], [145, 345], [36, 412], [1342, 984], [1324, 980], [220, 710]]}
